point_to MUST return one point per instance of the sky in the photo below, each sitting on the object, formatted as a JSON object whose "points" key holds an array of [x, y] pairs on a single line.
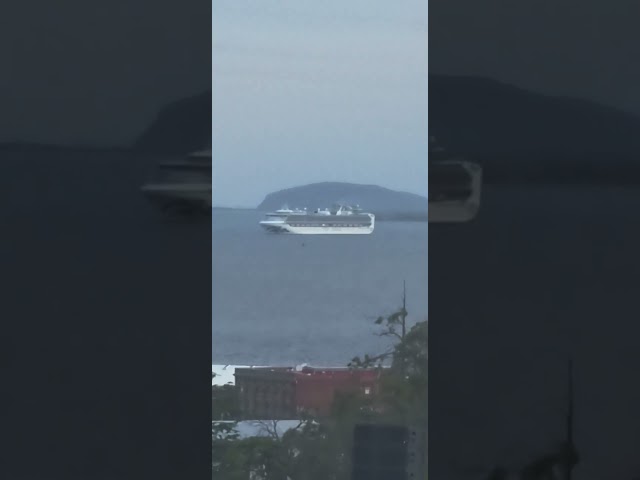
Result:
{"points": [[579, 48], [87, 73], [307, 91], [302, 91]]}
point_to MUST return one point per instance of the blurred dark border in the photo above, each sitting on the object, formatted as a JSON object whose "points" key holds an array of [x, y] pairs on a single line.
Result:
{"points": [[548, 272], [105, 303]]}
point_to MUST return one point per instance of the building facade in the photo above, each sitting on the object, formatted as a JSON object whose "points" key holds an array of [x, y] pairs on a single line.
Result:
{"points": [[286, 393]]}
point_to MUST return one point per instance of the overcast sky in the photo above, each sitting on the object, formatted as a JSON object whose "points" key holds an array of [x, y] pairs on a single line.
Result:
{"points": [[303, 90], [307, 91], [78, 72], [580, 48]]}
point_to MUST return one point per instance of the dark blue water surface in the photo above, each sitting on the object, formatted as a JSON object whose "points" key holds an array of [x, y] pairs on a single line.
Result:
{"points": [[287, 299]]}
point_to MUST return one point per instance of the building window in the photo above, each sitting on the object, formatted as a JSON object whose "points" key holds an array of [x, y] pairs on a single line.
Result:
{"points": [[367, 390]]}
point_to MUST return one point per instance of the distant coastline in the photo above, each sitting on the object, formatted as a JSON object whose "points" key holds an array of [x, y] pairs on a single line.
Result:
{"points": [[402, 217], [387, 205], [233, 209], [49, 147]]}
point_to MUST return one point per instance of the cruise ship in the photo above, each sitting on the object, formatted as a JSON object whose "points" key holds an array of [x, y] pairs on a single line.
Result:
{"points": [[183, 185], [454, 187], [340, 220]]}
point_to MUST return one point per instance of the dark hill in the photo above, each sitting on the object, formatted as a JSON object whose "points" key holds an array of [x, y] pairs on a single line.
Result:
{"points": [[181, 127], [385, 203], [518, 135], [481, 116]]}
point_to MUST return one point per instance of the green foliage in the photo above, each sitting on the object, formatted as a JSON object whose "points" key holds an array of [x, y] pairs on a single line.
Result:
{"points": [[224, 402], [308, 452], [255, 457], [404, 385]]}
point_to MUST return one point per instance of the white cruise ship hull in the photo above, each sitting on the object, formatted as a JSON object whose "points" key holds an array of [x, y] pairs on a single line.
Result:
{"points": [[328, 230], [182, 186], [459, 210], [283, 226]]}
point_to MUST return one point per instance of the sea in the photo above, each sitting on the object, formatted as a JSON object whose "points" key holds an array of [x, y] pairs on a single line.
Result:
{"points": [[544, 274], [293, 299], [275, 299]]}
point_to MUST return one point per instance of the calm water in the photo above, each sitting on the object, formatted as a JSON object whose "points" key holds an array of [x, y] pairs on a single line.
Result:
{"points": [[544, 272], [287, 299]]}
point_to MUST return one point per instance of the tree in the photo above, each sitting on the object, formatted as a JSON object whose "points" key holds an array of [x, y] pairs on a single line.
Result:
{"points": [[253, 458], [394, 326], [404, 386], [224, 402]]}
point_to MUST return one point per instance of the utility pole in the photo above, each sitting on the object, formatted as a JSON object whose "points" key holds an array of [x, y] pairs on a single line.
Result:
{"points": [[570, 442], [404, 308]]}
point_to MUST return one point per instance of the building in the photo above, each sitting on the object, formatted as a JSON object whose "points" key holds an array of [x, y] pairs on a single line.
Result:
{"points": [[287, 393], [266, 393]]}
